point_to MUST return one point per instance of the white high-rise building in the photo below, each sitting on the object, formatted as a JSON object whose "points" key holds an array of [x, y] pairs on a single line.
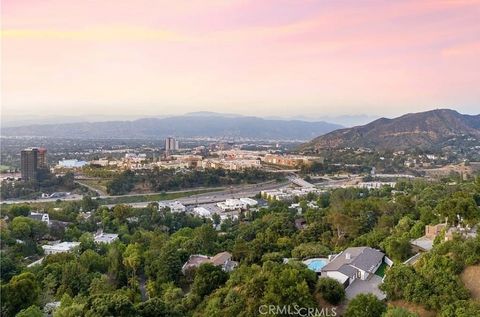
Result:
{"points": [[171, 144]]}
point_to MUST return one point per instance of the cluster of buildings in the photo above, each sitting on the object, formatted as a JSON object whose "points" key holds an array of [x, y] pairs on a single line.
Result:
{"points": [[227, 209], [425, 243], [375, 185], [237, 204], [66, 246], [293, 161], [288, 193], [230, 159], [234, 164], [171, 145]]}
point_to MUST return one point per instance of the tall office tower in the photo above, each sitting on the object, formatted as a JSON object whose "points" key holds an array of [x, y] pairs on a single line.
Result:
{"points": [[171, 144], [29, 164], [42, 158]]}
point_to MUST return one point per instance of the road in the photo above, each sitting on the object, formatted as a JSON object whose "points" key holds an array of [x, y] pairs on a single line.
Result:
{"points": [[72, 197], [98, 191], [213, 197], [233, 192]]}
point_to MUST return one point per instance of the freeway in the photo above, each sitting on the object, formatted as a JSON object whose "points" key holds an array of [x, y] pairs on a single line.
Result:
{"points": [[225, 193], [213, 197]]}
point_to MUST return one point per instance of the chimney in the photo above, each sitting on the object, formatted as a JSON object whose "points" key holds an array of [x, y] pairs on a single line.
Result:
{"points": [[347, 256]]}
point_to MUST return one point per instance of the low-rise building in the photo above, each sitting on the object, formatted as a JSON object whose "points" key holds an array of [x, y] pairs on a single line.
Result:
{"points": [[60, 247], [71, 164], [425, 243], [237, 204], [43, 217], [202, 212], [249, 202], [288, 193], [353, 263], [222, 259], [107, 238], [174, 206], [376, 185], [293, 161]]}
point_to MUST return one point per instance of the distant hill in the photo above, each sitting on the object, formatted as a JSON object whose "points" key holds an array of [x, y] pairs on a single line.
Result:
{"points": [[187, 126], [424, 130]]}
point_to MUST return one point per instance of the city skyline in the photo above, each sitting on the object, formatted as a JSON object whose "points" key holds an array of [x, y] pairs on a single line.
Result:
{"points": [[282, 58]]}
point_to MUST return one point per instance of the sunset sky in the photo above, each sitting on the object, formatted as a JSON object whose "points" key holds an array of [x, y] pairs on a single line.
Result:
{"points": [[282, 58]]}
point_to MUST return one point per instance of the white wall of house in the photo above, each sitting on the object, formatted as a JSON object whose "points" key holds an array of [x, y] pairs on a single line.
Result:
{"points": [[363, 274], [340, 277], [388, 261]]}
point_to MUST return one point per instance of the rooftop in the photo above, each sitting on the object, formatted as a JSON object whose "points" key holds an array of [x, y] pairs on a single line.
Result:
{"points": [[62, 246], [363, 258]]}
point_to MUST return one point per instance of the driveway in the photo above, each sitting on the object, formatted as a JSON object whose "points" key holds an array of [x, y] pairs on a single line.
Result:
{"points": [[369, 286]]}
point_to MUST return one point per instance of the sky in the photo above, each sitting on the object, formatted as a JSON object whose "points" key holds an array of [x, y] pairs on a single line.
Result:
{"points": [[265, 58]]}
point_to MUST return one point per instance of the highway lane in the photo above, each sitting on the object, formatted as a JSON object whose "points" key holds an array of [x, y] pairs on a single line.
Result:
{"points": [[234, 191], [213, 197]]}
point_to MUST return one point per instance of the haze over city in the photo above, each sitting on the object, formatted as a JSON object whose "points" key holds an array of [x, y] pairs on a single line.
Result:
{"points": [[114, 59]]}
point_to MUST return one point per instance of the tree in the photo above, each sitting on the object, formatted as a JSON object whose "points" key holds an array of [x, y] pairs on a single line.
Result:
{"points": [[398, 312], [167, 266], [310, 250], [208, 277], [32, 311], [461, 308], [460, 204], [331, 290], [344, 225], [88, 204], [121, 212], [153, 307], [112, 304], [8, 268], [75, 279], [365, 305], [93, 261], [132, 258], [122, 183], [25, 228], [116, 269], [396, 280], [19, 210], [21, 292], [86, 241], [68, 308], [398, 249]]}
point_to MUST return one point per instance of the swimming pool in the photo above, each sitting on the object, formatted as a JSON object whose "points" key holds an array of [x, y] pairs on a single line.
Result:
{"points": [[316, 264]]}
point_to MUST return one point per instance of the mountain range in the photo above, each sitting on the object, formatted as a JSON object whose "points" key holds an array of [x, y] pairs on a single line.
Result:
{"points": [[424, 130], [201, 124]]}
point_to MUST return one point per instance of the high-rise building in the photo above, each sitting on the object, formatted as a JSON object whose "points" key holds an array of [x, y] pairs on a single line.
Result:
{"points": [[31, 160], [42, 158], [29, 164], [171, 144]]}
